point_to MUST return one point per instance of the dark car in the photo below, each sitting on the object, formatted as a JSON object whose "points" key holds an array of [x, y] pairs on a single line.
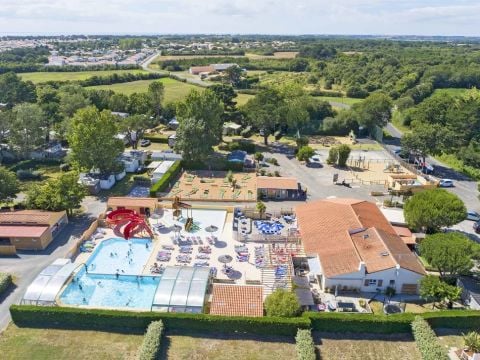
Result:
{"points": [[145, 142], [473, 216], [476, 227]]}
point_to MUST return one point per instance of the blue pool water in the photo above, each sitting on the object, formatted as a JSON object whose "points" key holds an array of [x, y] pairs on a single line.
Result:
{"points": [[127, 291], [101, 287], [129, 257]]}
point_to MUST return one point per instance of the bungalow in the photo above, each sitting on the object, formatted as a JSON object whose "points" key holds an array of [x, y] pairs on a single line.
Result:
{"points": [[30, 229], [140, 205], [231, 128], [280, 188], [197, 70], [351, 245]]}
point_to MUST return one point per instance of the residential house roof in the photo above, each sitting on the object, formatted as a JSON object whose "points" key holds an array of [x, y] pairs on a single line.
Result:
{"points": [[30, 217], [237, 300], [22, 231], [346, 232], [279, 183], [132, 202]]}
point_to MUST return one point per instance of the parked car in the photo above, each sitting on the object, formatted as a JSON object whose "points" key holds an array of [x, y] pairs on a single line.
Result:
{"points": [[473, 216], [476, 227], [314, 161], [145, 142], [446, 183]]}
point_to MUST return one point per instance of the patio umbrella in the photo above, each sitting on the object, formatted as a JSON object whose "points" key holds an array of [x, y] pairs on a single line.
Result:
{"points": [[225, 259], [211, 228]]}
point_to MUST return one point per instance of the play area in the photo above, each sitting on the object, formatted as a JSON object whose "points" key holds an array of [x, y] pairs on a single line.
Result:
{"points": [[375, 171], [215, 186]]}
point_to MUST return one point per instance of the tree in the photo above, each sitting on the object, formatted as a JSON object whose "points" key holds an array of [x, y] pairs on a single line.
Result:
{"points": [[15, 91], [425, 139], [227, 94], [282, 303], [375, 110], [433, 288], [8, 185], [6, 119], [156, 93], [134, 126], [450, 253], [343, 154], [27, 129], [72, 98], [344, 122], [233, 75], [305, 153], [433, 209], [57, 194], [261, 208], [92, 139], [200, 124], [118, 102], [258, 156], [139, 103], [332, 156]]}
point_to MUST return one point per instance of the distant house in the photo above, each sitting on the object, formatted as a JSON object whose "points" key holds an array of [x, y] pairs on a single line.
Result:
{"points": [[349, 245], [140, 205], [197, 70], [30, 229], [173, 124], [123, 115], [54, 151], [231, 128], [171, 140], [222, 67], [280, 188]]}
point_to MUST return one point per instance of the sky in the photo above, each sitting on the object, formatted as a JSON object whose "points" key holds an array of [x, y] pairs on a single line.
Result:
{"points": [[372, 17]]}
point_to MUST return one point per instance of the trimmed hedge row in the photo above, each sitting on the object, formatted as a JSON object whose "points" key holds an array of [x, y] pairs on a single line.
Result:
{"points": [[5, 281], [304, 345], [164, 181], [162, 139], [137, 322], [426, 340], [152, 341]]}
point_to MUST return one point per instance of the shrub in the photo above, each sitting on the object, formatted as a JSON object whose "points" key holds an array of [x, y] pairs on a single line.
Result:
{"points": [[258, 156], [247, 132], [282, 303], [426, 340], [28, 175], [304, 345], [343, 154], [5, 281], [165, 180], [162, 139], [137, 322], [472, 341], [305, 153], [332, 156], [150, 349], [65, 167]]}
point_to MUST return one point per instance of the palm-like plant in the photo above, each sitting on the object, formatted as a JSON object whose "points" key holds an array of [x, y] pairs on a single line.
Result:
{"points": [[472, 341]]}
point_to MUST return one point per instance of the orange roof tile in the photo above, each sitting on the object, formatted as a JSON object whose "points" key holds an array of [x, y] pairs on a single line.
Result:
{"points": [[334, 229], [237, 300], [132, 202], [22, 231], [283, 183], [37, 217]]}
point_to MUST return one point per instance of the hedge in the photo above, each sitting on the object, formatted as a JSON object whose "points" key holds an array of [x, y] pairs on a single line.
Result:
{"points": [[5, 281], [426, 340], [162, 139], [454, 319], [165, 180], [151, 346], [304, 345], [137, 322]]}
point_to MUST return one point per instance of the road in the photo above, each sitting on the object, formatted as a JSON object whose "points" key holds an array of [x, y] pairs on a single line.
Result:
{"points": [[28, 264], [465, 188]]}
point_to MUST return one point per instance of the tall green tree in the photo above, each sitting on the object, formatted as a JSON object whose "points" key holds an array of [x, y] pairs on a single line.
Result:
{"points": [[15, 91], [430, 210], [375, 110], [139, 103], [200, 124], [134, 126], [27, 129], [156, 93], [92, 140], [8, 185], [450, 253], [57, 194], [433, 288], [234, 75], [226, 94], [72, 98], [282, 303]]}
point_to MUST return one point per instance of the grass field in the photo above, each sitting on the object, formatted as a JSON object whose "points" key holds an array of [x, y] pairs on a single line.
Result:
{"points": [[174, 90], [366, 346], [45, 344], [243, 98], [451, 337], [341, 100], [222, 347], [277, 55], [41, 77]]}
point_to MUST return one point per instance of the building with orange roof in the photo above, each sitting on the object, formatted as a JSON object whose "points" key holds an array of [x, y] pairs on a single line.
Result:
{"points": [[237, 300], [352, 245], [280, 188], [138, 204]]}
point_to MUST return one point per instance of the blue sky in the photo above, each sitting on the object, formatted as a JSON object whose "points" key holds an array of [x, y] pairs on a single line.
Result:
{"points": [[409, 17]]}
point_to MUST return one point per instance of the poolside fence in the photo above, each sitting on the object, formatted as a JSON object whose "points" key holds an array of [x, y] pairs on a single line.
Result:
{"points": [[78, 242]]}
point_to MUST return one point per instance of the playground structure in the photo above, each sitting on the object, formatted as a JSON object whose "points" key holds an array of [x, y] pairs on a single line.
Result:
{"points": [[177, 207], [133, 222]]}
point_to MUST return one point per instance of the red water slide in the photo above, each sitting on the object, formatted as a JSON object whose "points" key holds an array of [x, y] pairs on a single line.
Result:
{"points": [[134, 221]]}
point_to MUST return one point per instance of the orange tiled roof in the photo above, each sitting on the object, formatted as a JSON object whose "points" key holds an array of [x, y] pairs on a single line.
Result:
{"points": [[37, 217], [132, 202], [334, 228], [200, 69], [237, 300], [9, 231], [283, 183]]}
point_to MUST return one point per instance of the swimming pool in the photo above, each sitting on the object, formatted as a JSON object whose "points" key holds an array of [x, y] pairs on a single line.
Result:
{"points": [[128, 291], [127, 256]]}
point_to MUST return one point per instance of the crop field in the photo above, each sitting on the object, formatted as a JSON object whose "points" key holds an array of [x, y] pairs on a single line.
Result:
{"points": [[41, 77], [339, 100], [276, 55], [174, 90]]}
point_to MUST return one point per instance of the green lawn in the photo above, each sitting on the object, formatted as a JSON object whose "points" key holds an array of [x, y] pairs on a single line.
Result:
{"points": [[174, 90], [366, 346], [41, 77], [243, 98], [45, 344], [341, 100], [218, 346], [451, 337]]}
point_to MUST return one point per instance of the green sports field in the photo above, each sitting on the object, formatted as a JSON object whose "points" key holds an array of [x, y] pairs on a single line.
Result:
{"points": [[41, 77], [174, 90]]}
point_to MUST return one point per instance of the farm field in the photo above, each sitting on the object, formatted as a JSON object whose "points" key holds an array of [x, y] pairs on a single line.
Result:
{"points": [[46, 344], [366, 346], [41, 77], [174, 90], [340, 100], [227, 347], [276, 55]]}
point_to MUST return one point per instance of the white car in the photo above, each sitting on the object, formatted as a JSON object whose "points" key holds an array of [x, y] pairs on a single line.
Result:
{"points": [[314, 161], [446, 183]]}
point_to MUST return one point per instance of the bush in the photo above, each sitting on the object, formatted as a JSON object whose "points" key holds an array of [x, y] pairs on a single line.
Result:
{"points": [[304, 345], [162, 139], [165, 180], [150, 349], [64, 167], [427, 341], [142, 179], [332, 156], [305, 153], [247, 132], [282, 303], [28, 175], [137, 322], [343, 154], [247, 146], [5, 281]]}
